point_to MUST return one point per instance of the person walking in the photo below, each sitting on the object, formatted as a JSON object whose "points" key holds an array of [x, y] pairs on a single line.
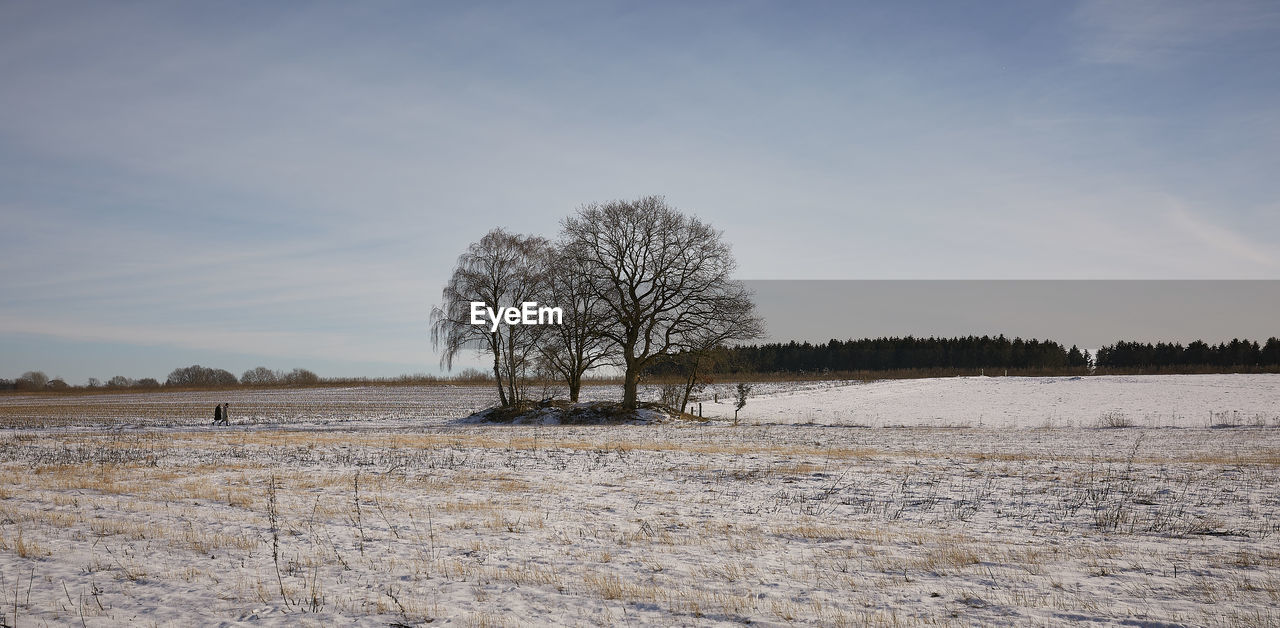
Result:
{"points": [[217, 415], [226, 414]]}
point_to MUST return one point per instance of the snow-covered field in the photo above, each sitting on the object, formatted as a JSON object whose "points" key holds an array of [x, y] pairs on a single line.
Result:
{"points": [[944, 501], [1141, 400]]}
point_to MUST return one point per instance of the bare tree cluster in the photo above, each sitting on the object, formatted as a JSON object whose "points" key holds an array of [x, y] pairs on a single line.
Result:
{"points": [[120, 381], [263, 376], [637, 282], [196, 376], [32, 380]]}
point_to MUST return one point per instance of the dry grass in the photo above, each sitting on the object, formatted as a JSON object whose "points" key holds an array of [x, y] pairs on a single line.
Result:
{"points": [[648, 525]]}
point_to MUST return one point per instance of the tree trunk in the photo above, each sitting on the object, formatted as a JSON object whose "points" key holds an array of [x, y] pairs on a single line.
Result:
{"points": [[631, 377], [497, 374], [688, 390], [513, 392], [630, 382], [575, 384]]}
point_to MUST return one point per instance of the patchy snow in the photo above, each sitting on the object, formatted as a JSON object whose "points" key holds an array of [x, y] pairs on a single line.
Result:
{"points": [[1144, 400], [364, 506]]}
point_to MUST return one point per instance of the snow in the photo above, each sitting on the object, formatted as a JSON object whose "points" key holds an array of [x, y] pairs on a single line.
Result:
{"points": [[1151, 400], [965, 501]]}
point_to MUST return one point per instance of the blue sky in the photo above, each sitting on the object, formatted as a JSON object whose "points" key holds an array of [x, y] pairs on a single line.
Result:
{"points": [[288, 184]]}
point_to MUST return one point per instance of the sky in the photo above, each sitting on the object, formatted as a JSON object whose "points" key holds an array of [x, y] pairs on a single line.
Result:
{"points": [[237, 184], [1086, 313]]}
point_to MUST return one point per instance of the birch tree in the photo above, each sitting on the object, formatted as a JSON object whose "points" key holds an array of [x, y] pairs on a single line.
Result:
{"points": [[502, 269]]}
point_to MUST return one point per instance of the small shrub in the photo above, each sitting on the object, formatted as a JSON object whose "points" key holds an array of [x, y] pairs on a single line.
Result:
{"points": [[1114, 420]]}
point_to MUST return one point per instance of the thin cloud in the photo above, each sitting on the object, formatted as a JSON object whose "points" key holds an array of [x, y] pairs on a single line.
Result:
{"points": [[1158, 33], [284, 176], [1221, 239], [267, 343]]}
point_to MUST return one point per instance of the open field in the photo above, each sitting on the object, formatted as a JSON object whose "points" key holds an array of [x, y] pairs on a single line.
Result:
{"points": [[377, 507]]}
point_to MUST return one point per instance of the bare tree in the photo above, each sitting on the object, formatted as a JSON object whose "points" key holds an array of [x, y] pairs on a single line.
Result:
{"points": [[200, 376], [704, 349], [663, 277], [694, 367], [577, 345], [120, 381], [260, 376], [502, 269], [33, 380], [299, 377]]}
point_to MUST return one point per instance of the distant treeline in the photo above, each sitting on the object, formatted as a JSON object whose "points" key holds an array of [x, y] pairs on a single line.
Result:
{"points": [[903, 357], [1163, 355], [933, 356], [893, 354], [197, 376]]}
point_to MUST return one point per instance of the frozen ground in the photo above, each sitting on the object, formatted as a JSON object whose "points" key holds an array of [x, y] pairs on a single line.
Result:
{"points": [[361, 508], [1140, 400]]}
